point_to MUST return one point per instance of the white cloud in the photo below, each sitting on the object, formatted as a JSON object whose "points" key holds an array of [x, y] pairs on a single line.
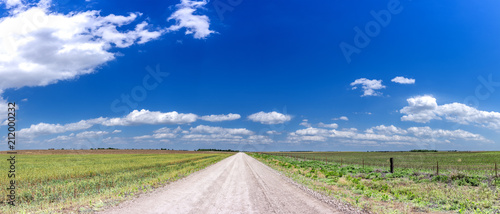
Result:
{"points": [[332, 126], [272, 132], [423, 109], [79, 137], [403, 80], [341, 118], [162, 133], [420, 109], [45, 128], [117, 131], [305, 123], [311, 131], [269, 117], [91, 134], [209, 134], [220, 130], [206, 134], [185, 18], [427, 132], [368, 86], [151, 117], [221, 117], [40, 47], [3, 110], [386, 130], [12, 3], [142, 117], [380, 135]]}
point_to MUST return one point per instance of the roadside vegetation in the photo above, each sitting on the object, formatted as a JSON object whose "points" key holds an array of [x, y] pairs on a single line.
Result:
{"points": [[87, 181], [375, 189]]}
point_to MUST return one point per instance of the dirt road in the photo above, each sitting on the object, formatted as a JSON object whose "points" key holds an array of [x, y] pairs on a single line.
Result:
{"points": [[238, 184]]}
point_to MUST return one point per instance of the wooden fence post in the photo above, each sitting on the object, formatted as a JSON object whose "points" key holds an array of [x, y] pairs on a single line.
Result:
{"points": [[437, 167], [363, 163], [340, 162], [392, 164], [496, 170]]}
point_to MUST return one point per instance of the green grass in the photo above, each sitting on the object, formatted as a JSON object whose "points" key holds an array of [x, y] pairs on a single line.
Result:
{"points": [[405, 191], [462, 161], [87, 182]]}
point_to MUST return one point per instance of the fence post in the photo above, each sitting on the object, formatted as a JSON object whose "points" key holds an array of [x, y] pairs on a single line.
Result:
{"points": [[392, 164], [363, 163], [340, 162], [496, 170], [437, 167]]}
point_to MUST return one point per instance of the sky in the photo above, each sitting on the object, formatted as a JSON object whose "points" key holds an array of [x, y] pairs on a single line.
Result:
{"points": [[251, 75]]}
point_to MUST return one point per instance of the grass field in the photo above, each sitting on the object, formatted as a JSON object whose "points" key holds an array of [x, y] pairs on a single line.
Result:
{"points": [[407, 190], [462, 161], [85, 180]]}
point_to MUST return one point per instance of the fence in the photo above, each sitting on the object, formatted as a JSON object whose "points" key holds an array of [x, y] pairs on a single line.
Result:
{"points": [[391, 163]]}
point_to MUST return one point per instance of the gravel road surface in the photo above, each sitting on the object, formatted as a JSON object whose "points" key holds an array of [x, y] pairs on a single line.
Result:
{"points": [[237, 184]]}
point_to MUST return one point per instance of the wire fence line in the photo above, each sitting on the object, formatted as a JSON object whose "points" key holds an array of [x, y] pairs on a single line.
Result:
{"points": [[437, 166]]}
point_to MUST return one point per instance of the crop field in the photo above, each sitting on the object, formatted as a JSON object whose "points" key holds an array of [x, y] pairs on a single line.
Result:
{"points": [[408, 190], [85, 180], [474, 162]]}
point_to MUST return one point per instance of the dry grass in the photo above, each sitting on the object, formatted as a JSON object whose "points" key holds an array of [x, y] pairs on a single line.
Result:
{"points": [[102, 152]]}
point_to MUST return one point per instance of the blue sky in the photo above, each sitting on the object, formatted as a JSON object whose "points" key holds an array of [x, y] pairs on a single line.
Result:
{"points": [[252, 75]]}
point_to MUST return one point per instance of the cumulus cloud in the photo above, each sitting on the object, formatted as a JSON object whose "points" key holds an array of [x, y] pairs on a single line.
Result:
{"points": [[269, 117], [384, 134], [151, 117], [136, 117], [12, 3], [185, 17], [41, 47], [162, 133], [210, 134], [3, 110], [341, 118], [221, 117], [305, 123], [381, 129], [220, 130], [45, 128], [272, 132], [79, 137], [368, 86], [403, 80], [423, 109], [440, 133], [332, 126], [205, 134]]}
